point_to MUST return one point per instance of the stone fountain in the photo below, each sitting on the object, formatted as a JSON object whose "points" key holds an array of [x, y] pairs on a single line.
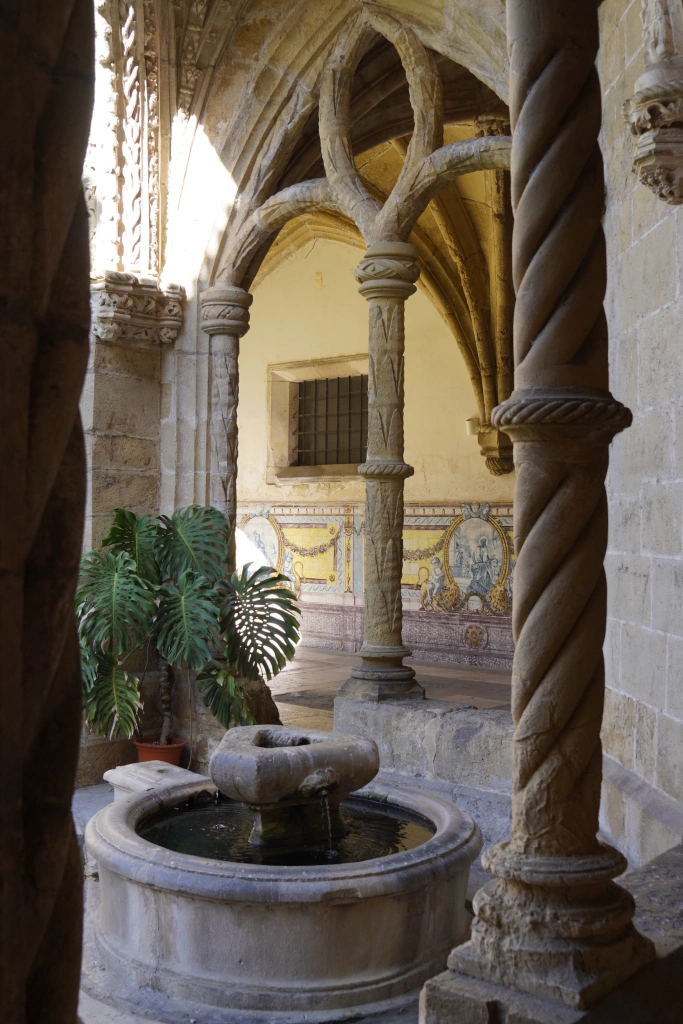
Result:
{"points": [[292, 885]]}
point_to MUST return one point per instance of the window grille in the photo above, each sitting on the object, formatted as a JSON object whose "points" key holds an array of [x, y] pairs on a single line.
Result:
{"points": [[333, 421]]}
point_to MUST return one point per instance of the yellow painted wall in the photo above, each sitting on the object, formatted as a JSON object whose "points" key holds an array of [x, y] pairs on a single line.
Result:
{"points": [[295, 318]]}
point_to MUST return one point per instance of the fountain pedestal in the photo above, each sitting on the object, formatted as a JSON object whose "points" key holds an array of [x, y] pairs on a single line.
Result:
{"points": [[292, 779]]}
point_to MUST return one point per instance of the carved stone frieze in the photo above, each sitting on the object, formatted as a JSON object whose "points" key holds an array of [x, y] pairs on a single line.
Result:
{"points": [[131, 309], [189, 74], [655, 112]]}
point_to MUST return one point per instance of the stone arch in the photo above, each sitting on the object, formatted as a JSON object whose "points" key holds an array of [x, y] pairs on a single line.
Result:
{"points": [[288, 151], [271, 98]]}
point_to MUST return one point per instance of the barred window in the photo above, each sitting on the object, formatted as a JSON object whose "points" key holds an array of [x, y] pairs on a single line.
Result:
{"points": [[333, 421]]}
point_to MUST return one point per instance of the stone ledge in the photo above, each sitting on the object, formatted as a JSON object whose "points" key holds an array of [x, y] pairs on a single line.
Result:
{"points": [[657, 804], [450, 749], [639, 819]]}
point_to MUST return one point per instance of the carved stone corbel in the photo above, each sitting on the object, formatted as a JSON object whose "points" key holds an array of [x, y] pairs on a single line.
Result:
{"points": [[134, 310], [655, 112], [496, 447]]}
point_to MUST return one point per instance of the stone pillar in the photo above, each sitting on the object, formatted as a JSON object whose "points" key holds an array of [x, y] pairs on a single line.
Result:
{"points": [[553, 924], [387, 278], [225, 318]]}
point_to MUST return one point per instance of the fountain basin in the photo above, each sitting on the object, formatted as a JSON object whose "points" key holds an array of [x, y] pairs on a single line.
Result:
{"points": [[252, 937]]}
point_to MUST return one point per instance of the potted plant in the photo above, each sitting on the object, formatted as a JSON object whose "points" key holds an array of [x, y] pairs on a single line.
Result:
{"points": [[161, 581]]}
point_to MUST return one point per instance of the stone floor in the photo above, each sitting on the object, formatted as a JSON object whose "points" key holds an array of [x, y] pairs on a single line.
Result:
{"points": [[305, 690]]}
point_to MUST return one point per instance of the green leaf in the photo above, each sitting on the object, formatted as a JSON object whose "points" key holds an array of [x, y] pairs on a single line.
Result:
{"points": [[223, 696], [88, 666], [114, 605], [259, 621], [113, 702], [187, 621], [194, 538], [135, 536]]}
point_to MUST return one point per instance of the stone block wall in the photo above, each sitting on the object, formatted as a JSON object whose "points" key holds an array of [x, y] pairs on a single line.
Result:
{"points": [[121, 415], [643, 725]]}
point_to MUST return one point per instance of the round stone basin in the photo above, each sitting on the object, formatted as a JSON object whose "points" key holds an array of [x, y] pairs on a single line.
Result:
{"points": [[238, 937]]}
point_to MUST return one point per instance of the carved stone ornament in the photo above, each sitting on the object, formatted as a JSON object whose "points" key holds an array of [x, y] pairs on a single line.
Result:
{"points": [[126, 308], [655, 112]]}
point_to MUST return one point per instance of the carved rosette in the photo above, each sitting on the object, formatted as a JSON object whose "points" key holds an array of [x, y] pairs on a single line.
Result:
{"points": [[127, 309], [387, 277], [225, 318], [655, 112]]}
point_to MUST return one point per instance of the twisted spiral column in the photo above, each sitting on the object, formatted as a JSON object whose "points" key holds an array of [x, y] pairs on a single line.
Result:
{"points": [[225, 318], [554, 924], [387, 278]]}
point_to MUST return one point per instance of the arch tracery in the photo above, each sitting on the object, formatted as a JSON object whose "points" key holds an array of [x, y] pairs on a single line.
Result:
{"points": [[387, 275]]}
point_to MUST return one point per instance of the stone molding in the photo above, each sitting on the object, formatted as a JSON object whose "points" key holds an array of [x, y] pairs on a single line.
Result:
{"points": [[156, 55], [655, 112], [130, 309], [561, 414]]}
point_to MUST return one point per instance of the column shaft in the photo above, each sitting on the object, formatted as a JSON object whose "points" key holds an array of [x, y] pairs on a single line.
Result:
{"points": [[386, 276], [554, 924], [225, 318]]}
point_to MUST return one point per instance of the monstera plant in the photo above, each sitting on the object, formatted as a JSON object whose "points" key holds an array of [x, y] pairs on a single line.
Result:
{"points": [[161, 582]]}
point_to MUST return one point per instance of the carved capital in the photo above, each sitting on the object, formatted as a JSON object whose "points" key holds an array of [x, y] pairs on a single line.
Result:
{"points": [[388, 270], [127, 308], [225, 310]]}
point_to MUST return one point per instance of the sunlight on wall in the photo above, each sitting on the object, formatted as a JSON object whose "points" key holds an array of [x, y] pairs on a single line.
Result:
{"points": [[200, 186], [246, 552], [308, 309]]}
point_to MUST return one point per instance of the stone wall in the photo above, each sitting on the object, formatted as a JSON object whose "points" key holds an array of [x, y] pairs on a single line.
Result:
{"points": [[120, 407], [643, 726]]}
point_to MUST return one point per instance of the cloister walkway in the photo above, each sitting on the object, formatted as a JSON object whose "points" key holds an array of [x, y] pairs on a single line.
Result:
{"points": [[305, 690]]}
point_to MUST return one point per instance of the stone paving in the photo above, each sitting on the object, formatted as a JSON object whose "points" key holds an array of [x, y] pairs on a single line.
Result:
{"points": [[305, 690]]}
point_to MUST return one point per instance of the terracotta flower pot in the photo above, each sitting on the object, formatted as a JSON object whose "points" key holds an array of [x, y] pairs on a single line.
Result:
{"points": [[151, 750]]}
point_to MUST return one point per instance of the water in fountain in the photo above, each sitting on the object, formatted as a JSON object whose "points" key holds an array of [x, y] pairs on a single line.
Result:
{"points": [[221, 830]]}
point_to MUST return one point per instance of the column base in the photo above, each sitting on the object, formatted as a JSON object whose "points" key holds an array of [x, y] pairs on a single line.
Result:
{"points": [[382, 676], [652, 996], [556, 928]]}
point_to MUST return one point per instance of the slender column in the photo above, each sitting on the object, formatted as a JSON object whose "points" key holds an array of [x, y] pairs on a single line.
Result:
{"points": [[554, 924], [225, 318], [387, 278]]}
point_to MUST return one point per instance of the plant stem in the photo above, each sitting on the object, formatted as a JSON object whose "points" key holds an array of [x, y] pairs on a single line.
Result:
{"points": [[165, 685]]}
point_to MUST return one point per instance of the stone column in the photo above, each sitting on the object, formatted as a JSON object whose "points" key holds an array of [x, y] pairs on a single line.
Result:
{"points": [[387, 278], [225, 318], [554, 924]]}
